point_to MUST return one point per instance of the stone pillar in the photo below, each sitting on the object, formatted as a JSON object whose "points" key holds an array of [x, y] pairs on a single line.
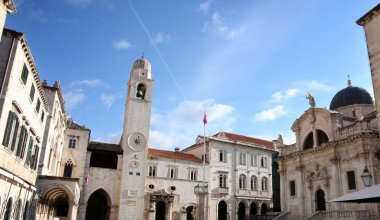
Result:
{"points": [[371, 23], [73, 210]]}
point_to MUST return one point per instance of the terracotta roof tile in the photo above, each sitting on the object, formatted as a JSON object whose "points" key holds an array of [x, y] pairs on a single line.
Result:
{"points": [[174, 155], [241, 138], [105, 147]]}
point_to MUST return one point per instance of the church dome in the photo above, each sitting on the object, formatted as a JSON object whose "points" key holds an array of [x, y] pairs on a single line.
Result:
{"points": [[350, 95], [142, 63]]}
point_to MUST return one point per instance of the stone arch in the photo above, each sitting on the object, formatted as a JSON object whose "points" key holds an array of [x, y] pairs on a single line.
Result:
{"points": [[98, 205], [8, 209], [253, 209], [308, 142], [190, 210], [56, 201], [141, 89], [68, 168], [222, 210], [320, 200], [241, 210], [321, 137], [264, 208]]}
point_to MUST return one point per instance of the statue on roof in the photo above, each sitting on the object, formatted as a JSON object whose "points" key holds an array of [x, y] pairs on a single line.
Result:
{"points": [[311, 99]]}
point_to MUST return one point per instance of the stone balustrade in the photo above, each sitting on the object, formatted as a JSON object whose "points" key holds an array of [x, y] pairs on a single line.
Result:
{"points": [[341, 215], [282, 216], [359, 127]]}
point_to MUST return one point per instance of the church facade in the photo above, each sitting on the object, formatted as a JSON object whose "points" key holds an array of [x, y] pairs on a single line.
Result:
{"points": [[334, 147]]}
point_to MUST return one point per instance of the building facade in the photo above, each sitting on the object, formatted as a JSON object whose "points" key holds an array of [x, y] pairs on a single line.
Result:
{"points": [[334, 146], [23, 110]]}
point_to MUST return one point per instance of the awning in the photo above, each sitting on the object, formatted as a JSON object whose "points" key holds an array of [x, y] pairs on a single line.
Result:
{"points": [[367, 195]]}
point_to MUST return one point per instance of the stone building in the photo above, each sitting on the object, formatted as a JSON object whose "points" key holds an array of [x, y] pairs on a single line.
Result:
{"points": [[23, 111], [239, 177], [334, 146]]}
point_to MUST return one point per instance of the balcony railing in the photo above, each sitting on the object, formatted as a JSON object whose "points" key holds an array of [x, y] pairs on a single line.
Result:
{"points": [[341, 215], [223, 190], [358, 127]]}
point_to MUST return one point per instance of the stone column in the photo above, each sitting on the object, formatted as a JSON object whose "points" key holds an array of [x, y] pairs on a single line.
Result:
{"points": [[73, 210]]}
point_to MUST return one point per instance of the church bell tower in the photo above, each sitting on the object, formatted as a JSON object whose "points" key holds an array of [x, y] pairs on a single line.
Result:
{"points": [[134, 141]]}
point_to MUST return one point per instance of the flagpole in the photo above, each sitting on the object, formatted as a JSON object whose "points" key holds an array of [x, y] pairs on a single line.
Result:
{"points": [[204, 167]]}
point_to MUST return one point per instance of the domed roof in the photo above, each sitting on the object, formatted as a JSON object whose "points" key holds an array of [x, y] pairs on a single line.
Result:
{"points": [[142, 63], [349, 96]]}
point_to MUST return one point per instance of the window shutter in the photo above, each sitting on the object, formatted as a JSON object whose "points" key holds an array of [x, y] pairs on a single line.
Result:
{"points": [[28, 154], [24, 142], [8, 129], [35, 157], [14, 139], [21, 141]]}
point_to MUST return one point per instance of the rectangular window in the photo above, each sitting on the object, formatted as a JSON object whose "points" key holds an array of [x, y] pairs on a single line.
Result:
{"points": [[38, 105], [253, 160], [32, 92], [242, 159], [10, 135], [152, 170], [223, 180], [22, 142], [34, 158], [29, 152], [42, 116], [222, 156], [173, 173], [351, 180], [264, 162], [292, 188], [193, 174], [72, 143], [24, 74]]}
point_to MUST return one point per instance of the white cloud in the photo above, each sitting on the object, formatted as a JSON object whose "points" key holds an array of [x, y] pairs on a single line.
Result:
{"points": [[86, 82], [180, 126], [73, 98], [270, 114], [217, 26], [79, 3], [205, 6], [160, 37], [108, 100], [110, 138], [122, 44], [282, 96]]}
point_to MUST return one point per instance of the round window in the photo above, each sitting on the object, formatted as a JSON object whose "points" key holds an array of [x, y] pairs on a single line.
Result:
{"points": [[151, 186]]}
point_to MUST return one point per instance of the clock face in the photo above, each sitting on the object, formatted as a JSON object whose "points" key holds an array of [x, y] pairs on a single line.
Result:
{"points": [[134, 164], [137, 141]]}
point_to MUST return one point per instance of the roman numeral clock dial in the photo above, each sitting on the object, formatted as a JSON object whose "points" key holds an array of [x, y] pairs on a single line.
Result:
{"points": [[137, 141]]}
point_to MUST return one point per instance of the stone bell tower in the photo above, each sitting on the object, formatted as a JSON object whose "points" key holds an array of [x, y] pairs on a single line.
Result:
{"points": [[371, 24], [134, 141]]}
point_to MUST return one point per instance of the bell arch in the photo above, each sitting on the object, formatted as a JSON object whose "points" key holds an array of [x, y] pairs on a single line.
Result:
{"points": [[309, 141], [321, 137], [98, 206]]}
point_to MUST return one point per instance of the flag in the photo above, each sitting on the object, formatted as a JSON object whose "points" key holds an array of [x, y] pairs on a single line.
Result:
{"points": [[205, 119], [86, 180]]}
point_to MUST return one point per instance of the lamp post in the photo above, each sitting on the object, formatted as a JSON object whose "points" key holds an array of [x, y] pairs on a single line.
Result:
{"points": [[366, 177]]}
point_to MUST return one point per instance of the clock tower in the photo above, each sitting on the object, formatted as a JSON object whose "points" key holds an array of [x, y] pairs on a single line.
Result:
{"points": [[134, 141]]}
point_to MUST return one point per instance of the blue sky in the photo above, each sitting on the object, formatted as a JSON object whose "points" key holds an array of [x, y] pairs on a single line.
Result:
{"points": [[248, 63]]}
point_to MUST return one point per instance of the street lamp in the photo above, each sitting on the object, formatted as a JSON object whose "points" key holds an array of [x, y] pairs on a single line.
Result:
{"points": [[366, 177]]}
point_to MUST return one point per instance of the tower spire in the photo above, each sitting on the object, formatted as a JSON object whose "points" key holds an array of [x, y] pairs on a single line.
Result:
{"points": [[349, 81]]}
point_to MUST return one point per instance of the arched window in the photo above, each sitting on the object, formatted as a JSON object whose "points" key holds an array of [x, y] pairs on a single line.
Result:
{"points": [[242, 181], [141, 89], [8, 211], [309, 141], [253, 182], [264, 184], [68, 169], [25, 214], [322, 137]]}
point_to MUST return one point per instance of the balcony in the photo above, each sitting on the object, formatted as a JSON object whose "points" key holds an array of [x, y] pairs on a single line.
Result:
{"points": [[223, 190]]}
